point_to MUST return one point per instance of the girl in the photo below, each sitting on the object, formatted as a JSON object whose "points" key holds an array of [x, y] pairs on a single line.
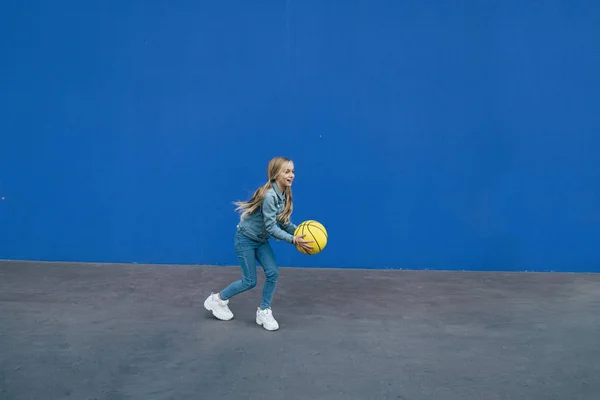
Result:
{"points": [[266, 214]]}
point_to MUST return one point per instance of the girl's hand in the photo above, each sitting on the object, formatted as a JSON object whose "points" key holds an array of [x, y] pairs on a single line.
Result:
{"points": [[299, 241]]}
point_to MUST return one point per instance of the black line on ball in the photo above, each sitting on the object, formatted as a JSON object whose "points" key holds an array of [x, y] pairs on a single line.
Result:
{"points": [[319, 228], [314, 239]]}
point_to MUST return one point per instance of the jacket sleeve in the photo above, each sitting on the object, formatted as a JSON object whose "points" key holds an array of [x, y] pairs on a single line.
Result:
{"points": [[269, 211], [289, 228]]}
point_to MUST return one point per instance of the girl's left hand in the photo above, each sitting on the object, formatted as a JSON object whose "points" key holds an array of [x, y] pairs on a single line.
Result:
{"points": [[299, 241]]}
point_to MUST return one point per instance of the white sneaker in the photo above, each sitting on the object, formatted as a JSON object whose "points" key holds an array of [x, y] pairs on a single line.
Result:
{"points": [[265, 318], [218, 307]]}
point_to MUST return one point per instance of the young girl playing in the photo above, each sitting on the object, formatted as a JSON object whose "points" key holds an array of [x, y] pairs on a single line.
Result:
{"points": [[266, 214]]}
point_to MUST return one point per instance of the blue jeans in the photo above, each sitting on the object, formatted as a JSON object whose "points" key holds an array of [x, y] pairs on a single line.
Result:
{"points": [[249, 251]]}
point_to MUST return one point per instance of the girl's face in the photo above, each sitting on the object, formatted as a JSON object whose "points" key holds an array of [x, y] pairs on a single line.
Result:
{"points": [[286, 176]]}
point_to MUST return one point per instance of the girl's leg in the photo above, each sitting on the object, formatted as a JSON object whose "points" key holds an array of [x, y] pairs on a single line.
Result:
{"points": [[264, 315], [266, 258], [218, 303], [245, 249]]}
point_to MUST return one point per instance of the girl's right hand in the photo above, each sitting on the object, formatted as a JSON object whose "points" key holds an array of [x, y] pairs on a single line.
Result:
{"points": [[299, 241]]}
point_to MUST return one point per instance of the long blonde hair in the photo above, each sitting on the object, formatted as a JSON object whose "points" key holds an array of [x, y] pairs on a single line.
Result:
{"points": [[273, 170]]}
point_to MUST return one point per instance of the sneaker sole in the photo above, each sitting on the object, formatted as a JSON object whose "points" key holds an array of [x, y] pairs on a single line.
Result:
{"points": [[263, 325], [208, 308]]}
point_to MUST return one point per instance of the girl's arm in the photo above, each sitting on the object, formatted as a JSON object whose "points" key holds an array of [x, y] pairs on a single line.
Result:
{"points": [[269, 211], [289, 228]]}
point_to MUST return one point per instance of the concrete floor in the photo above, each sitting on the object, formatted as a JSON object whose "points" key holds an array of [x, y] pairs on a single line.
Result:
{"points": [[108, 332]]}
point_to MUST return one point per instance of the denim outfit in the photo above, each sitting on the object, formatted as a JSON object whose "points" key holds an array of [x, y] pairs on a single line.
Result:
{"points": [[251, 244]]}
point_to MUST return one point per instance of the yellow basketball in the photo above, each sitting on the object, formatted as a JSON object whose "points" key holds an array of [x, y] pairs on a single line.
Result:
{"points": [[314, 232]]}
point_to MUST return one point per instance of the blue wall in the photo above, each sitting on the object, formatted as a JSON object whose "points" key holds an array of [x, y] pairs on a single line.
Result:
{"points": [[442, 135]]}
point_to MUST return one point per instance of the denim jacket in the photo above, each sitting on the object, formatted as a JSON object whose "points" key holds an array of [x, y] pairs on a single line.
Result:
{"points": [[262, 224]]}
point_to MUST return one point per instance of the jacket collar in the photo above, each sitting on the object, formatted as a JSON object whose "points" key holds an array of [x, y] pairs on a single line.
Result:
{"points": [[277, 191]]}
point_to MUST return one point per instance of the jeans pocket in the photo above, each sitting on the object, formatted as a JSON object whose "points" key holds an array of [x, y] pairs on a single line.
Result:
{"points": [[243, 242]]}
